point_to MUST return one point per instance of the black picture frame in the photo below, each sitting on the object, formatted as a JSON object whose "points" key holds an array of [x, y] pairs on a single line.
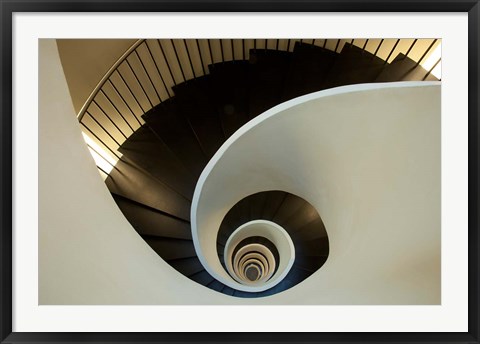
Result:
{"points": [[8, 7]]}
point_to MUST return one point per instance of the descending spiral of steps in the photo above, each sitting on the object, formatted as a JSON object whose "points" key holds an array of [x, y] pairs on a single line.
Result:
{"points": [[154, 181]]}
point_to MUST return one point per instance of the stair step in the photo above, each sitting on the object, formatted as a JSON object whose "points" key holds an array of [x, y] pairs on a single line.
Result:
{"points": [[267, 74], [307, 71], [144, 148], [296, 275], [404, 69], [216, 285], [220, 249], [315, 247], [169, 249], [147, 221], [272, 204], [230, 84], [202, 277], [304, 215], [236, 217], [353, 66], [187, 266], [309, 263], [173, 127], [197, 102], [256, 205], [282, 286], [290, 207], [244, 294], [134, 183], [311, 231], [227, 290]]}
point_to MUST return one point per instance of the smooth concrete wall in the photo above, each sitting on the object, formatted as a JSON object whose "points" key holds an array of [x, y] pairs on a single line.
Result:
{"points": [[88, 252], [367, 157], [85, 62]]}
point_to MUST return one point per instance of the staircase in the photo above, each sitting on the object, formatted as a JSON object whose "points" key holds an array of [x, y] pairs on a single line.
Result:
{"points": [[154, 180]]}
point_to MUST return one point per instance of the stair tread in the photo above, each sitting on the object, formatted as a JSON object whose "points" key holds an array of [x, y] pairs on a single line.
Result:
{"points": [[297, 275], [311, 231], [305, 214], [187, 266], [273, 202], [267, 74], [197, 102], [310, 263], [245, 294], [138, 185], [144, 148], [353, 66], [230, 84], [202, 277], [312, 248], [307, 71], [403, 68], [289, 208], [172, 125], [171, 248], [216, 285], [148, 222], [256, 204], [227, 290]]}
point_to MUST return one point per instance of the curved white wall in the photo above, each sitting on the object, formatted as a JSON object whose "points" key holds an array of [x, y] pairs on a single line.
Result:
{"points": [[88, 252], [367, 157]]}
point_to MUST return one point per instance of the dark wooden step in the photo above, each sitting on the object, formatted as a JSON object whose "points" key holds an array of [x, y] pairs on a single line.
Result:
{"points": [[267, 74], [353, 66], [187, 266], [310, 231], [303, 215], [196, 101], [309, 263], [172, 125], [290, 207], [215, 285], [230, 83], [296, 275], [272, 204], [285, 284], [149, 221], [145, 149], [256, 204], [404, 69], [169, 249], [227, 290], [220, 249], [202, 277], [314, 247], [308, 69], [134, 183], [245, 294]]}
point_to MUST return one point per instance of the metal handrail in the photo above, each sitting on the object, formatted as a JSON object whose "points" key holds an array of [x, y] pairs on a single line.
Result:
{"points": [[106, 77], [100, 114]]}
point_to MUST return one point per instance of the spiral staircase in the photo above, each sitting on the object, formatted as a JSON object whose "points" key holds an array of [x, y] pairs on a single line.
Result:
{"points": [[160, 161]]}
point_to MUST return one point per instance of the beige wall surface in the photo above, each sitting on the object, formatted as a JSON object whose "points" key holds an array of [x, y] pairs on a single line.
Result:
{"points": [[83, 236], [85, 62]]}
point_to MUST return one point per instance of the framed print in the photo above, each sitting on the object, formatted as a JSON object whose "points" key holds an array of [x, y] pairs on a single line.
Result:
{"points": [[268, 171]]}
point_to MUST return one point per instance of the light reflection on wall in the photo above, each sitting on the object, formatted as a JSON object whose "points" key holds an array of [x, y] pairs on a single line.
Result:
{"points": [[104, 160]]}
